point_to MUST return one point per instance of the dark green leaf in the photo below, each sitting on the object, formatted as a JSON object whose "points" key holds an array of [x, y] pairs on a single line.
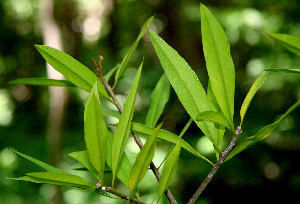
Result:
{"points": [[43, 82], [297, 71]]}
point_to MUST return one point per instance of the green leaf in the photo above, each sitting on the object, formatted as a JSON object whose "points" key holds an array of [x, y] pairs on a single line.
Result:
{"points": [[123, 129], [297, 71], [43, 82], [45, 166], [256, 85], [62, 179], [145, 131], [124, 63], [95, 132], [218, 62], [159, 98], [185, 83], [292, 43], [262, 133], [83, 158], [169, 169], [215, 117], [76, 72], [143, 160], [124, 166]]}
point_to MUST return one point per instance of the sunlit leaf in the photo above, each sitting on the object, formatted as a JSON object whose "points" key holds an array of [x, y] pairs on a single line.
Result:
{"points": [[297, 71], [43, 82], [218, 62], [45, 166], [256, 85], [185, 83], [169, 169], [143, 160], [123, 129], [126, 59], [159, 98], [290, 42], [73, 70], [215, 117], [62, 179], [262, 133], [95, 132], [145, 131]]}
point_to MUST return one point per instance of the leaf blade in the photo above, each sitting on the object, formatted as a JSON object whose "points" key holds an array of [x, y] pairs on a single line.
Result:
{"points": [[43, 82], [297, 71], [290, 42], [218, 62], [215, 117]]}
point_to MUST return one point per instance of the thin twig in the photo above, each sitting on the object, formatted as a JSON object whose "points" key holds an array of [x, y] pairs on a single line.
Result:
{"points": [[216, 166], [117, 193]]}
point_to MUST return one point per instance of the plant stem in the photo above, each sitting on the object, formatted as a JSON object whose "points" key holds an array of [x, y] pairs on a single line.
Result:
{"points": [[216, 166], [138, 141]]}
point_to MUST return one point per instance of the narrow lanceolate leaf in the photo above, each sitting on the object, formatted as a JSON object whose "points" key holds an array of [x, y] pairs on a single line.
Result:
{"points": [[126, 59], [159, 98], [123, 129], [143, 161], [84, 159], [218, 62], [45, 166], [95, 132], [292, 43], [185, 83], [124, 166], [169, 169], [256, 85], [62, 179], [297, 71], [215, 117], [73, 70], [43, 82], [145, 131], [262, 134]]}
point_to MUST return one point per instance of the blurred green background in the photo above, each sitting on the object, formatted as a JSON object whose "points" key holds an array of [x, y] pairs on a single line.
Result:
{"points": [[267, 172]]}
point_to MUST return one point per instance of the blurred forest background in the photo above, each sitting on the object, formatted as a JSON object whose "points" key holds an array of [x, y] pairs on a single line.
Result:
{"points": [[48, 123]]}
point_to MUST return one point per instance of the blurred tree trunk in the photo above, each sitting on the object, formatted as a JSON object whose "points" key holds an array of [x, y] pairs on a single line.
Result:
{"points": [[57, 95]]}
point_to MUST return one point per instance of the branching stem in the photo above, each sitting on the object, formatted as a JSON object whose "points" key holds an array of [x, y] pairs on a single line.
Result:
{"points": [[216, 166]]}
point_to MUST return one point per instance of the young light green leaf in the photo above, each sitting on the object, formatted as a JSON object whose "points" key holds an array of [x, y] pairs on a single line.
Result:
{"points": [[169, 169], [126, 59], [62, 179], [83, 158], [292, 43], [143, 161], [262, 133], [124, 166], [145, 131], [43, 82], [76, 72], [185, 83], [159, 98], [297, 71], [123, 129], [95, 132], [219, 63], [215, 117], [45, 166], [256, 85]]}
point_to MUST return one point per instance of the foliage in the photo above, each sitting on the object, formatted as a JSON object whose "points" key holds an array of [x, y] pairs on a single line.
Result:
{"points": [[211, 110]]}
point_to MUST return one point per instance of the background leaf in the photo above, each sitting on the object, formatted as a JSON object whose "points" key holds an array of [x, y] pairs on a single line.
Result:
{"points": [[95, 132], [159, 98], [218, 62], [185, 83], [143, 160], [124, 63], [297, 71], [73, 70], [169, 169], [43, 82], [256, 85], [123, 129], [290, 42], [262, 133]]}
